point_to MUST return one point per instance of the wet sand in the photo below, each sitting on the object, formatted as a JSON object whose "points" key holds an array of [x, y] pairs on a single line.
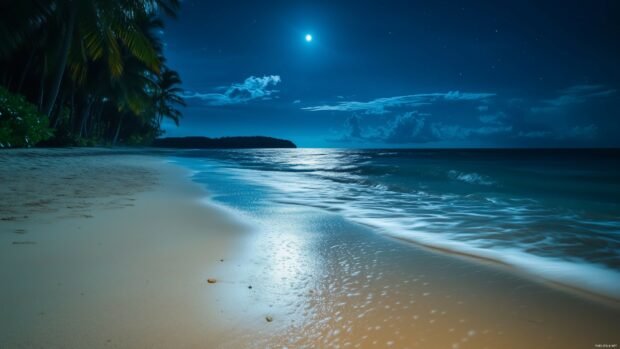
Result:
{"points": [[330, 283], [104, 250]]}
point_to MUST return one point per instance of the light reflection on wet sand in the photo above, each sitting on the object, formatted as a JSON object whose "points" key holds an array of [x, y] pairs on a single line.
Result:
{"points": [[329, 283], [416, 197]]}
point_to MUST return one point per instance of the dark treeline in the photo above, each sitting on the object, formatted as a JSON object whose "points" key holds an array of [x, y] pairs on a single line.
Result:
{"points": [[81, 72], [223, 143]]}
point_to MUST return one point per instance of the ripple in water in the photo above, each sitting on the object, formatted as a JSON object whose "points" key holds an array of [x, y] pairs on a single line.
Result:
{"points": [[553, 213]]}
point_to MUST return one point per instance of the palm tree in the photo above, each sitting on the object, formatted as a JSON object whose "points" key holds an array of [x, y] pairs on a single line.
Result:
{"points": [[167, 97], [91, 64], [93, 30]]}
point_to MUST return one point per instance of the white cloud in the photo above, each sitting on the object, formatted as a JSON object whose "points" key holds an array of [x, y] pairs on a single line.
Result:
{"points": [[383, 105], [406, 128], [573, 95], [250, 89]]}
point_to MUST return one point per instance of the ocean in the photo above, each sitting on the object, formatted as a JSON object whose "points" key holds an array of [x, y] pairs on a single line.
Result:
{"points": [[551, 213]]}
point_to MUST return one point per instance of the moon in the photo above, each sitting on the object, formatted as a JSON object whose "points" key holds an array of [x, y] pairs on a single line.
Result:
{"points": [[308, 37]]}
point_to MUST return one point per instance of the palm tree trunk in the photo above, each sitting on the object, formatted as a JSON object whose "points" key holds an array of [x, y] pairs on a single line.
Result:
{"points": [[95, 124], [26, 69], [86, 117], [118, 129], [42, 86], [58, 108], [60, 69], [72, 109]]}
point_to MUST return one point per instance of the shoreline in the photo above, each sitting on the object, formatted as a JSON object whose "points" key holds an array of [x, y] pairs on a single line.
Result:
{"points": [[544, 270], [474, 258], [122, 269]]}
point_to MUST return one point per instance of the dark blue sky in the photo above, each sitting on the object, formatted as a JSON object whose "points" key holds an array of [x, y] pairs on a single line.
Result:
{"points": [[401, 73]]}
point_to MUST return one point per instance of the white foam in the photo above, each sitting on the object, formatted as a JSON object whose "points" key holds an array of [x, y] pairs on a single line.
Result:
{"points": [[581, 275], [472, 178], [432, 220]]}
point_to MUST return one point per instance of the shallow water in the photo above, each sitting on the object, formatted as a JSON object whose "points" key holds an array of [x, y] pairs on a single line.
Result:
{"points": [[553, 213]]}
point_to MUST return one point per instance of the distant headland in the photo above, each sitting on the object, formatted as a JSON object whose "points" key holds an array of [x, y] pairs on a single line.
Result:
{"points": [[223, 143]]}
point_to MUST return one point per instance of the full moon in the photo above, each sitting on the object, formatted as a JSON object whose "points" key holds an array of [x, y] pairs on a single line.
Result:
{"points": [[308, 37]]}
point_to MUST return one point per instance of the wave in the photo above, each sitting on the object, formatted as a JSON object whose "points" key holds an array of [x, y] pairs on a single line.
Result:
{"points": [[415, 204], [472, 178], [578, 274]]}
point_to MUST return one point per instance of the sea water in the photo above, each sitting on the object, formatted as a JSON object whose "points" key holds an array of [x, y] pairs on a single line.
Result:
{"points": [[552, 213]]}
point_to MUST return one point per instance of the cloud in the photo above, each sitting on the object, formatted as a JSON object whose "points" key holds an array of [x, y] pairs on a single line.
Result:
{"points": [[584, 115], [384, 105], [237, 93], [582, 132], [407, 128], [587, 132], [492, 118], [457, 132], [534, 134], [414, 127], [353, 126], [577, 94], [297, 101]]}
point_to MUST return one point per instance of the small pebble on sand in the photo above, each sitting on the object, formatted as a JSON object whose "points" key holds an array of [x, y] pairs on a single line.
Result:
{"points": [[268, 318]]}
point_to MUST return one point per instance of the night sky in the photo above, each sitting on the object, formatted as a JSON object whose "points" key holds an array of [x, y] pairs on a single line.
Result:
{"points": [[401, 73]]}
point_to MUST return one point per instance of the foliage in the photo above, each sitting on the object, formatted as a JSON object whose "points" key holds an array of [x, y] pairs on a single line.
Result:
{"points": [[167, 96], [95, 68], [21, 124]]}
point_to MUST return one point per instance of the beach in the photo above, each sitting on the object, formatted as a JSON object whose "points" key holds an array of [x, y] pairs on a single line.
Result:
{"points": [[105, 248]]}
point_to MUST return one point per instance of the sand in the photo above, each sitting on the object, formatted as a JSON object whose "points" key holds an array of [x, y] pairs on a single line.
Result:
{"points": [[113, 249], [118, 254]]}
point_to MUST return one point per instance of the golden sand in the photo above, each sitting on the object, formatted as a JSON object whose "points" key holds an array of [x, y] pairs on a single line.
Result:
{"points": [[114, 250]]}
